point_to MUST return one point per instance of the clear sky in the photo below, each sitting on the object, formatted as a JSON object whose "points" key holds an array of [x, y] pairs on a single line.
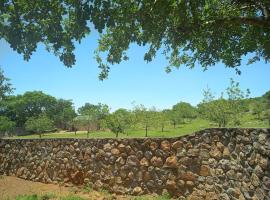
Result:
{"points": [[134, 80]]}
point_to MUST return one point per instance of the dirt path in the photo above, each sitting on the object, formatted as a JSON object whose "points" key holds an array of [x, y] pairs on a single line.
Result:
{"points": [[11, 187]]}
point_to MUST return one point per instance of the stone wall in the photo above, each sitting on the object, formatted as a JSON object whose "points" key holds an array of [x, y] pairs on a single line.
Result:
{"points": [[210, 164]]}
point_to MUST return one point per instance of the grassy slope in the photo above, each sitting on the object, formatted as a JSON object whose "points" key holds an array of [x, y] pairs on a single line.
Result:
{"points": [[198, 124]]}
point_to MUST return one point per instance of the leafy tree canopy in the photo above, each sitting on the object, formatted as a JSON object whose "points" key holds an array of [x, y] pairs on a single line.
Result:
{"points": [[188, 31], [5, 86], [39, 124], [6, 125]]}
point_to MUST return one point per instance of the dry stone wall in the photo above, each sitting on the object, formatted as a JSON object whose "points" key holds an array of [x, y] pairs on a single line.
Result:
{"points": [[210, 164]]}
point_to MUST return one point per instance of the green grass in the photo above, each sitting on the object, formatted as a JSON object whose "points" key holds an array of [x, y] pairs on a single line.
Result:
{"points": [[195, 125], [247, 121], [162, 197]]}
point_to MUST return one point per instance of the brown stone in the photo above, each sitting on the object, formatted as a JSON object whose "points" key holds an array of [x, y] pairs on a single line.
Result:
{"points": [[171, 185], [165, 145], [215, 153], [137, 190], [120, 161], [193, 152], [146, 176], [153, 146], [188, 176], [107, 147], [144, 162], [121, 148], [171, 162], [204, 170], [263, 163], [211, 196], [226, 152], [156, 161], [115, 152], [176, 145], [132, 161], [220, 146]]}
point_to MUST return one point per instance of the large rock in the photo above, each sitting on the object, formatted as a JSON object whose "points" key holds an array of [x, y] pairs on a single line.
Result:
{"points": [[171, 162]]}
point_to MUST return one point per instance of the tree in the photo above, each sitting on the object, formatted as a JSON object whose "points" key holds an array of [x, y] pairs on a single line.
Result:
{"points": [[217, 111], [223, 110], [189, 32], [266, 99], [31, 104], [63, 113], [119, 121], [184, 111], [163, 118], [257, 109], [94, 113], [145, 117], [39, 124], [5, 86], [235, 98], [6, 126]]}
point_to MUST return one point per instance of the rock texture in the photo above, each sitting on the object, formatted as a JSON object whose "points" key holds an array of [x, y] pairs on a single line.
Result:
{"points": [[210, 164]]}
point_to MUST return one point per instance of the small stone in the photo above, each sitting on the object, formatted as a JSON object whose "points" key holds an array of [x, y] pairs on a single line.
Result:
{"points": [[262, 138], [153, 146], [234, 192], [266, 182], [190, 184], [165, 145], [120, 161], [193, 152], [171, 162], [171, 185], [144, 162], [255, 180], [204, 153], [132, 161], [137, 191], [115, 152], [215, 153], [263, 163], [121, 148], [226, 152], [176, 145], [188, 176], [156, 161], [65, 160], [220, 146], [204, 171], [107, 147]]}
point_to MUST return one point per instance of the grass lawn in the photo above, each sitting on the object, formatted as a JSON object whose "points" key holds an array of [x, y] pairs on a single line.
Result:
{"points": [[248, 121]]}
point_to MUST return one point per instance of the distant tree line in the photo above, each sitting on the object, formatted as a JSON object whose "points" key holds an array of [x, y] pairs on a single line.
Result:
{"points": [[38, 113]]}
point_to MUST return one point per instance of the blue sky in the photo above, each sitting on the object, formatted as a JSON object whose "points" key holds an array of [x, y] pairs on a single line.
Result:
{"points": [[134, 80]]}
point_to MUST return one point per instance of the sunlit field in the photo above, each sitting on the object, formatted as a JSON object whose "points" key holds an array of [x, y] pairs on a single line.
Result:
{"points": [[248, 121]]}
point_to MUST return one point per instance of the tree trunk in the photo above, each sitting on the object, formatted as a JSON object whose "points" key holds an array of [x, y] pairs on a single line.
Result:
{"points": [[162, 128], [39, 135], [146, 131], [116, 134], [174, 124]]}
